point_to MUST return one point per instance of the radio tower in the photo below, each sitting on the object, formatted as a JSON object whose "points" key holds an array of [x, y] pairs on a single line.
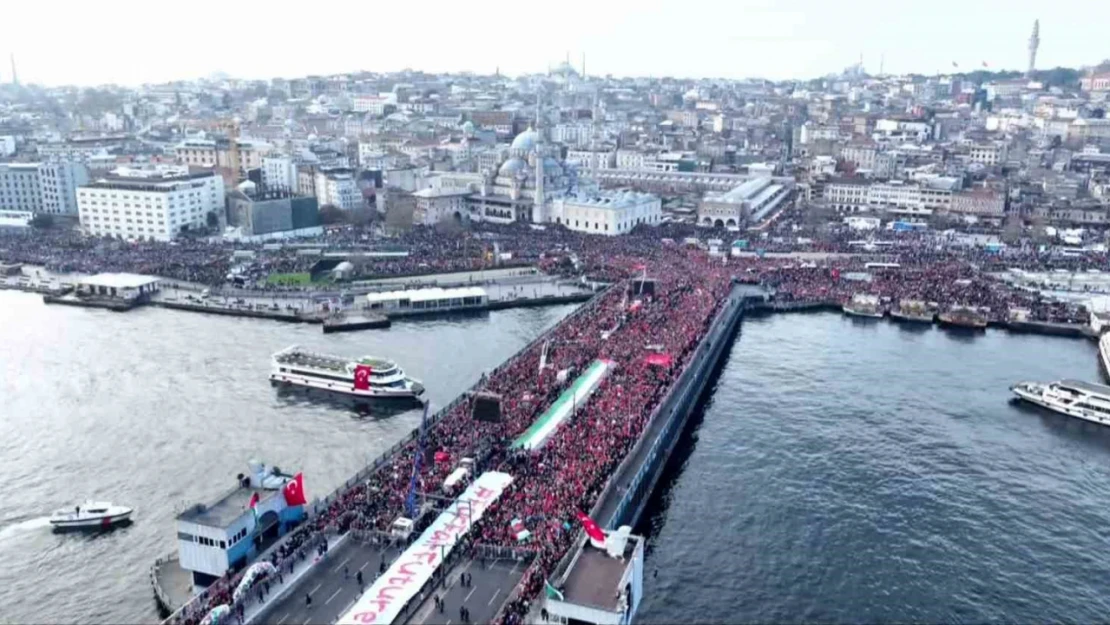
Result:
{"points": [[1034, 42]]}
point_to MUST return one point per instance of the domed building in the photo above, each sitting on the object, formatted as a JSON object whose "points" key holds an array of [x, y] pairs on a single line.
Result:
{"points": [[522, 186]]}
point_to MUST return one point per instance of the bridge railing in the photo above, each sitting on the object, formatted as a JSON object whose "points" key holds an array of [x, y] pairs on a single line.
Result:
{"points": [[319, 506]]}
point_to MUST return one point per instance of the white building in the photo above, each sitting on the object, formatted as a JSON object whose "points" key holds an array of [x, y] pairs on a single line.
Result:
{"points": [[372, 103], [338, 188], [7, 145], [154, 204], [988, 153], [609, 213], [751, 201], [592, 159], [279, 172], [434, 205], [901, 130]]}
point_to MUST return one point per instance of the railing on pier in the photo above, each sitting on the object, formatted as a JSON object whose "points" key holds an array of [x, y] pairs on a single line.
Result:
{"points": [[319, 506]]}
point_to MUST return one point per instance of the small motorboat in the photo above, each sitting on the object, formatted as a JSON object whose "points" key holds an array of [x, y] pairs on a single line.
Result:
{"points": [[90, 515]]}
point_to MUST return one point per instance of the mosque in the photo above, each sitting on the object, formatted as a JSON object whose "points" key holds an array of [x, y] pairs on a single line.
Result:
{"points": [[522, 187]]}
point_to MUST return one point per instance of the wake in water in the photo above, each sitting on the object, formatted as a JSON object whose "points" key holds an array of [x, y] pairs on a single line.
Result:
{"points": [[23, 527]]}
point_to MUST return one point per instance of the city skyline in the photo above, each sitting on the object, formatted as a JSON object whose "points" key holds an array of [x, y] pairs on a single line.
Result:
{"points": [[748, 39]]}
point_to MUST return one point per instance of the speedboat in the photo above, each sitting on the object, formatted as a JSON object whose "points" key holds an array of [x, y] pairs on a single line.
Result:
{"points": [[90, 515]]}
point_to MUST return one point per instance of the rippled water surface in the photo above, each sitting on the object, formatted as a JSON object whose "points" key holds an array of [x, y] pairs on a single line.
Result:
{"points": [[860, 472], [157, 408]]}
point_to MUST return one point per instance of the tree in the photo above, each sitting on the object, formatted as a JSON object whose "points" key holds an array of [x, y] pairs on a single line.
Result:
{"points": [[42, 221], [331, 214]]}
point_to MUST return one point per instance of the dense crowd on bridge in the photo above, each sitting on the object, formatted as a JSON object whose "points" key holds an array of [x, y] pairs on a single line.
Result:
{"points": [[618, 327]]}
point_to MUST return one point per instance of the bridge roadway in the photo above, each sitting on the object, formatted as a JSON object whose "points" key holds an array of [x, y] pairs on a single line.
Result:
{"points": [[493, 580], [331, 593]]}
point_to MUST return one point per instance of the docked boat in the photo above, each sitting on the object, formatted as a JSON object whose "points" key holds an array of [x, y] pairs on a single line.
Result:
{"points": [[1104, 354], [367, 377], [964, 317], [92, 515], [1074, 398], [913, 311], [863, 305]]}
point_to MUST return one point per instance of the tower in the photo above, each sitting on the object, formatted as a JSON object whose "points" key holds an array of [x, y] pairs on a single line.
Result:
{"points": [[537, 208], [15, 77], [1034, 43]]}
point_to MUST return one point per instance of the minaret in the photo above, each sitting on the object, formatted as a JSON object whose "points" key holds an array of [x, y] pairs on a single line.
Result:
{"points": [[1034, 43], [537, 208], [15, 77], [583, 66]]}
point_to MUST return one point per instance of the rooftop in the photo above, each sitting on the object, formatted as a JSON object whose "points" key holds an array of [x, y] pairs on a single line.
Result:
{"points": [[595, 578], [119, 280], [424, 295], [229, 507]]}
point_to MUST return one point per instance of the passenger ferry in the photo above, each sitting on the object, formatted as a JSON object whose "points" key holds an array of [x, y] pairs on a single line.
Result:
{"points": [[1074, 398], [367, 377], [864, 306], [964, 317]]}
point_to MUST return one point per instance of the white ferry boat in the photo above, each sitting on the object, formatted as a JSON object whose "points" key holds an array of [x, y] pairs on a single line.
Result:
{"points": [[368, 377], [1104, 354], [1074, 398]]}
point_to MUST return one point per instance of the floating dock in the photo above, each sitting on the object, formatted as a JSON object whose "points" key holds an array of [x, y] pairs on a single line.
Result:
{"points": [[352, 322]]}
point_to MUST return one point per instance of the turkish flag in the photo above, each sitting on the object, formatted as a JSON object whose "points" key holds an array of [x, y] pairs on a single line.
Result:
{"points": [[362, 377], [593, 530], [294, 491]]}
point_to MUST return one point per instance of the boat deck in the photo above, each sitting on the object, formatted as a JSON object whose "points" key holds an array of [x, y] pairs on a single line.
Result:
{"points": [[316, 361]]}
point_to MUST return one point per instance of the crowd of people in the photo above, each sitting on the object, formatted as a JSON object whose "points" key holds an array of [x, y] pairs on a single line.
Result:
{"points": [[569, 472], [624, 326]]}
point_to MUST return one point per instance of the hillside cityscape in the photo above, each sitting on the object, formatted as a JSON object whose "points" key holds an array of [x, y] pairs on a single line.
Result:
{"points": [[633, 224]]}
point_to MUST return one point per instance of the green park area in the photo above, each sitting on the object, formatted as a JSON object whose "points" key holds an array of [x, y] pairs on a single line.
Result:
{"points": [[289, 279]]}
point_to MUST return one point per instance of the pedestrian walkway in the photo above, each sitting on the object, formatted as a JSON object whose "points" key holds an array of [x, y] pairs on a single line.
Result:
{"points": [[279, 591]]}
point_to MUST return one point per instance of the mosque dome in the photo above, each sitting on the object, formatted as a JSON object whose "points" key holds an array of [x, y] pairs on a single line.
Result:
{"points": [[551, 167], [513, 166], [525, 141], [468, 128]]}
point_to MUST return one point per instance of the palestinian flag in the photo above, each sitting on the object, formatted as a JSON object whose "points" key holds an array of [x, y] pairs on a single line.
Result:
{"points": [[551, 591]]}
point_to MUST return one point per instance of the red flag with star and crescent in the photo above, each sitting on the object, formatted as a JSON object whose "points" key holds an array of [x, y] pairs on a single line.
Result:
{"points": [[294, 491], [593, 530], [362, 377]]}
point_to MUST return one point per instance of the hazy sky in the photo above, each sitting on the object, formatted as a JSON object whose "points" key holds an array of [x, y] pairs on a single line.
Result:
{"points": [[130, 42]]}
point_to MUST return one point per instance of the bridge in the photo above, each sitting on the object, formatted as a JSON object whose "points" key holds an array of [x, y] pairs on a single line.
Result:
{"points": [[325, 588]]}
